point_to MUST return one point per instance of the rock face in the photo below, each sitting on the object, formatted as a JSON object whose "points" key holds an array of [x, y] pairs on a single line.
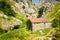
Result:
{"points": [[24, 7], [42, 2], [8, 23], [30, 8]]}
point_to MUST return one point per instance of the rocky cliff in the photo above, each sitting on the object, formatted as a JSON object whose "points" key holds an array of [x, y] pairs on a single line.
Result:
{"points": [[13, 12]]}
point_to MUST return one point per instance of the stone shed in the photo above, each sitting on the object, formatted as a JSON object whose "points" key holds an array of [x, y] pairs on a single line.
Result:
{"points": [[35, 24]]}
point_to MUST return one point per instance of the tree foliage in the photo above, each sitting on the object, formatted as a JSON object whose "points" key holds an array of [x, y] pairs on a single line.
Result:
{"points": [[41, 10], [55, 23], [6, 9]]}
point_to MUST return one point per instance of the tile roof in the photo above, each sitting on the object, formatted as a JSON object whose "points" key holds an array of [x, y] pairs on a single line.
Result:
{"points": [[39, 20]]}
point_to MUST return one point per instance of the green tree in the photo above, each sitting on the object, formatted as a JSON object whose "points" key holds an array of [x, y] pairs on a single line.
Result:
{"points": [[40, 12], [55, 23], [6, 8]]}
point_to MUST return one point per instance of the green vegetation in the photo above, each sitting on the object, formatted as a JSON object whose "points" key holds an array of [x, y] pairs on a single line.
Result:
{"points": [[54, 16], [41, 10], [55, 23], [43, 31], [18, 33], [6, 9], [21, 33], [2, 31], [55, 11]]}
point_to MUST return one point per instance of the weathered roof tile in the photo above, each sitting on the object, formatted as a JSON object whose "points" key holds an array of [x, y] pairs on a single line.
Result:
{"points": [[39, 20]]}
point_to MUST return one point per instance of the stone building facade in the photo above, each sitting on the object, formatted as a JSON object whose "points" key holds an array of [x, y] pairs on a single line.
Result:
{"points": [[40, 23]]}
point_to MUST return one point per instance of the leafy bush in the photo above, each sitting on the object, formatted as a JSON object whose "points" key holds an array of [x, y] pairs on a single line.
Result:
{"points": [[21, 34], [40, 12], [2, 31], [55, 23], [6, 9]]}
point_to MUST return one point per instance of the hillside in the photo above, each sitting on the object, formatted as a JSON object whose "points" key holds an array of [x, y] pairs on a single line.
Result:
{"points": [[14, 15]]}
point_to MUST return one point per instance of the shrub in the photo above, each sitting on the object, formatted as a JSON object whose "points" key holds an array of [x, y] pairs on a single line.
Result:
{"points": [[40, 12], [6, 9], [55, 23], [1, 31]]}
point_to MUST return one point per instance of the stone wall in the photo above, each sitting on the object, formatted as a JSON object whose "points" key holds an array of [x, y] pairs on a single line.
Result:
{"points": [[38, 26]]}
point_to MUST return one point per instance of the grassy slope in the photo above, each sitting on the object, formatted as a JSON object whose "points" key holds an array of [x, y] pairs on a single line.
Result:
{"points": [[17, 34], [21, 33], [54, 13]]}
